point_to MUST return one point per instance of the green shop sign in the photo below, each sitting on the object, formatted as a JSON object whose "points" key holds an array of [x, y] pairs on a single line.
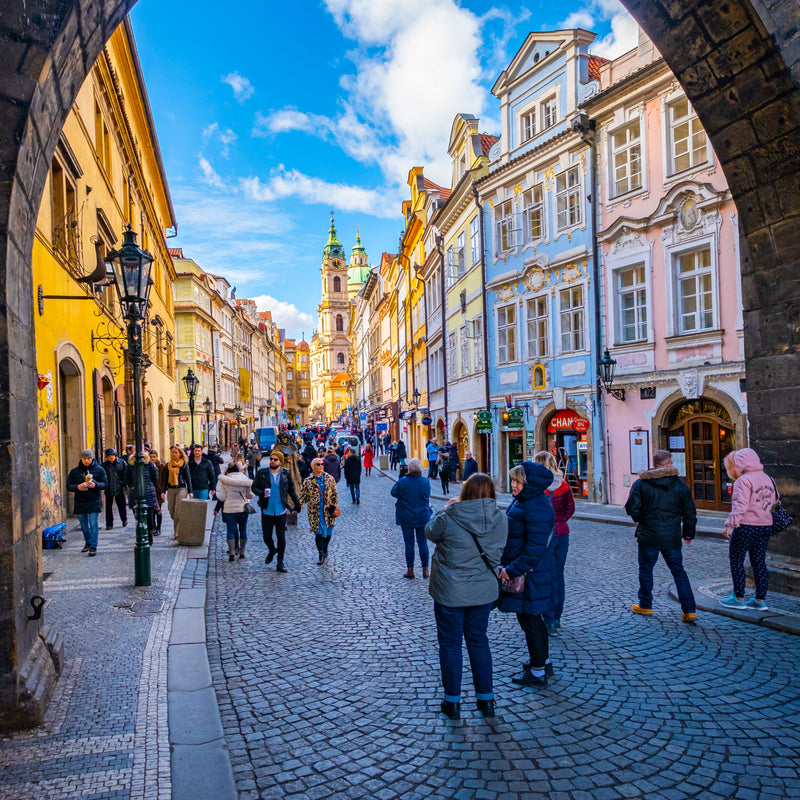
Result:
{"points": [[514, 418], [484, 424]]}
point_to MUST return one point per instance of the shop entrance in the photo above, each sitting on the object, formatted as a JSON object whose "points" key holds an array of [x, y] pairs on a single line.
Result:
{"points": [[699, 435], [568, 441], [516, 451]]}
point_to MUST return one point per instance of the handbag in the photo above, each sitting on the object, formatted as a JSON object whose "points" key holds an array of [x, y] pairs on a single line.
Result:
{"points": [[248, 506], [781, 518]]}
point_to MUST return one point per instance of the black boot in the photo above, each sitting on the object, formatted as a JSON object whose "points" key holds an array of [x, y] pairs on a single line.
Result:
{"points": [[486, 707], [453, 710], [527, 678], [318, 540], [280, 567]]}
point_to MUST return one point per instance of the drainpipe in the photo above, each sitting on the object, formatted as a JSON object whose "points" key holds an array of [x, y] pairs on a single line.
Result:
{"points": [[440, 248], [484, 324], [602, 455]]}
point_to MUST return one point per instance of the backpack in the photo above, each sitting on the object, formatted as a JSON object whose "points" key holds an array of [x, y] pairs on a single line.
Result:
{"points": [[53, 537]]}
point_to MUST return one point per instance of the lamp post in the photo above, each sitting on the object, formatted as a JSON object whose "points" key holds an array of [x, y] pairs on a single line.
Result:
{"points": [[191, 383], [416, 397], [131, 267], [261, 410], [207, 408]]}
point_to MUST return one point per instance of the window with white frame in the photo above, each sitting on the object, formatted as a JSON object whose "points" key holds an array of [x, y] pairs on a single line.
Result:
{"points": [[435, 369], [464, 342], [626, 156], [452, 354], [434, 289], [533, 213], [568, 198], [477, 343], [461, 254], [694, 290], [474, 241], [504, 227], [549, 112], [571, 319], [631, 294], [537, 327], [527, 126], [507, 334], [450, 265], [688, 142]]}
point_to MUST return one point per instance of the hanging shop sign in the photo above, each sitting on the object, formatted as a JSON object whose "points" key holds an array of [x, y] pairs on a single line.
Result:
{"points": [[514, 419], [484, 422], [566, 420], [426, 421]]}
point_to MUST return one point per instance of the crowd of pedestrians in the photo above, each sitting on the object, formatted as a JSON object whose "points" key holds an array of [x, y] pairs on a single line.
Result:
{"points": [[483, 558]]}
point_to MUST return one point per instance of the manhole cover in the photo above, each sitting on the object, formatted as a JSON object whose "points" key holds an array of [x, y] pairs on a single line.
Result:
{"points": [[147, 607]]}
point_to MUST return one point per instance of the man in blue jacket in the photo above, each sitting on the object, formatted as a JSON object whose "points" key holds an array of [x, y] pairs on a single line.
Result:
{"points": [[88, 481]]}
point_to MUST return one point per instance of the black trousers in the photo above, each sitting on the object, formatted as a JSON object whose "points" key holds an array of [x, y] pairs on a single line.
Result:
{"points": [[119, 499], [536, 637], [279, 524]]}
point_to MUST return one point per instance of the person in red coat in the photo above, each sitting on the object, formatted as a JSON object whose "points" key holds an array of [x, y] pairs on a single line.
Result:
{"points": [[563, 504], [369, 458]]}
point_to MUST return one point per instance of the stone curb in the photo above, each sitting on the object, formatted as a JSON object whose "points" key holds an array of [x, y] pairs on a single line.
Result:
{"points": [[776, 620], [200, 761], [706, 527]]}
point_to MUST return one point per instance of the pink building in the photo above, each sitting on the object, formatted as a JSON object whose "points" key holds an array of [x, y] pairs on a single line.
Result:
{"points": [[669, 270]]}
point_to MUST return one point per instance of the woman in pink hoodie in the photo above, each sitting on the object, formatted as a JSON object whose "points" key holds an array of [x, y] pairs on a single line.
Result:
{"points": [[749, 525]]}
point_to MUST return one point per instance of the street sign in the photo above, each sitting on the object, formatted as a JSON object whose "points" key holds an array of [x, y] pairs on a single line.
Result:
{"points": [[530, 439], [183, 419], [426, 420]]}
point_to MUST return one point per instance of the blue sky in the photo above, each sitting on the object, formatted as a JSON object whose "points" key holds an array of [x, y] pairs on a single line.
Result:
{"points": [[274, 114]]}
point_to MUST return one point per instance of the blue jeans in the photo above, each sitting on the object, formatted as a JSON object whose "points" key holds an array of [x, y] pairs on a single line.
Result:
{"points": [[468, 624], [89, 527], [237, 524], [355, 490], [674, 558], [409, 535], [560, 549], [200, 494]]}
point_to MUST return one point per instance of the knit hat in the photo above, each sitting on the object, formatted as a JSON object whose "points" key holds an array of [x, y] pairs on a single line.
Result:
{"points": [[277, 454], [111, 451], [87, 453]]}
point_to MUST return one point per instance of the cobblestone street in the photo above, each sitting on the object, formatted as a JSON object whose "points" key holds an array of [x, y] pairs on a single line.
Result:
{"points": [[328, 681]]}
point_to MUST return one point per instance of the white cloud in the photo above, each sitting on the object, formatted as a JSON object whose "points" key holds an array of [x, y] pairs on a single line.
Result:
{"points": [[624, 30], [283, 183], [286, 315], [417, 64], [210, 175], [224, 136], [242, 88]]}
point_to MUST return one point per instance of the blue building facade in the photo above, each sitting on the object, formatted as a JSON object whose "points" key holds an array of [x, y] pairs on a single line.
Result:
{"points": [[542, 314]]}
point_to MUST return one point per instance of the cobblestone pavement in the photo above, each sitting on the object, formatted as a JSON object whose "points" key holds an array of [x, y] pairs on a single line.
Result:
{"points": [[105, 734], [328, 681]]}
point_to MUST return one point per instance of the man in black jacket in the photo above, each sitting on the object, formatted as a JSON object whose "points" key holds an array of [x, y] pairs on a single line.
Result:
{"points": [[204, 480], [662, 506], [115, 488], [273, 486], [88, 481]]}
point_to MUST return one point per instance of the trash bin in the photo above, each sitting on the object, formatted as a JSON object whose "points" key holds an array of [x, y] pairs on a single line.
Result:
{"points": [[384, 461], [192, 515], [403, 470]]}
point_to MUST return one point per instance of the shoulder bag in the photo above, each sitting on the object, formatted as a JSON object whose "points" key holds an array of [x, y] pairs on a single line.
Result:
{"points": [[248, 506], [781, 518], [516, 586]]}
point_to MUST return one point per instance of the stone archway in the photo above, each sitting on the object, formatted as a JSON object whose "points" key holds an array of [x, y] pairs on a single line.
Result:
{"points": [[738, 63]]}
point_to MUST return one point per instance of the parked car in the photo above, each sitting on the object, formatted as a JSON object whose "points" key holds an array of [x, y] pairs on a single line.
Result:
{"points": [[347, 440]]}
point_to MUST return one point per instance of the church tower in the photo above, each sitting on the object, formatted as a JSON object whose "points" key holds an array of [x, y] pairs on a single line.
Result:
{"points": [[331, 350]]}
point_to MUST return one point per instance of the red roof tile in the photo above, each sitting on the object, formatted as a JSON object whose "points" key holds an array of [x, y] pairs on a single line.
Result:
{"points": [[595, 62], [487, 140], [176, 252], [429, 184]]}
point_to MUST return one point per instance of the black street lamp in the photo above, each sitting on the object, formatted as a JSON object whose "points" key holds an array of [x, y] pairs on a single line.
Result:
{"points": [[207, 408], [131, 267], [606, 367], [191, 383], [416, 397]]}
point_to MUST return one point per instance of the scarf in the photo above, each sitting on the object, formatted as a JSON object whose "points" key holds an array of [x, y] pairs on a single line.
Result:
{"points": [[175, 468]]}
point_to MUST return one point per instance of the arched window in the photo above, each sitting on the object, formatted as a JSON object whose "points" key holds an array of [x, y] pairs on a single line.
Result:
{"points": [[339, 322], [538, 377], [337, 287], [340, 358]]}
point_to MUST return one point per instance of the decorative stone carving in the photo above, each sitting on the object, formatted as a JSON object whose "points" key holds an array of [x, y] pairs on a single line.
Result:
{"points": [[628, 239], [689, 381], [535, 278]]}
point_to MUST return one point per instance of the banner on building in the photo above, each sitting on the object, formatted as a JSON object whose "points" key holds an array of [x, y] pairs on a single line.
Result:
{"points": [[244, 385]]}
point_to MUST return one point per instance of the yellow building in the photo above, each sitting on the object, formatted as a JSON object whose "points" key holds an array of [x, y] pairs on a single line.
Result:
{"points": [[106, 172]]}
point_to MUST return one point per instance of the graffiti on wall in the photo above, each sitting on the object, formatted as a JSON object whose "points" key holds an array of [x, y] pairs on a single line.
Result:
{"points": [[49, 462]]}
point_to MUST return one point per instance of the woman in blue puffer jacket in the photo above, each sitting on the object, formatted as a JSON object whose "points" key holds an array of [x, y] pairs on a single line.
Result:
{"points": [[529, 552]]}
